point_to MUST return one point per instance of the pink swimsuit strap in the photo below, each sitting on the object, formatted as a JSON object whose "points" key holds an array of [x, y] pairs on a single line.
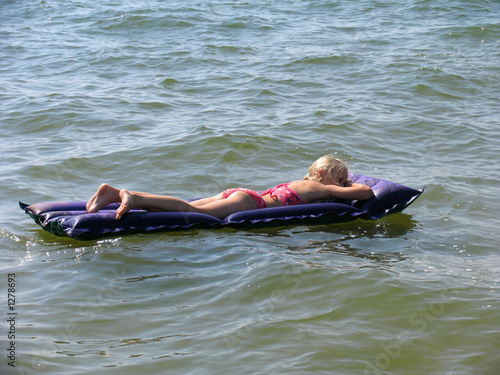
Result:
{"points": [[287, 196]]}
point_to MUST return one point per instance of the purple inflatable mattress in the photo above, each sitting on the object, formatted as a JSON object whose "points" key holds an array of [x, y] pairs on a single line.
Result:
{"points": [[71, 219]]}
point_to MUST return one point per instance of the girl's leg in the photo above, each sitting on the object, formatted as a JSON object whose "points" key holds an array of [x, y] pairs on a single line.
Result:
{"points": [[107, 194], [104, 195], [219, 208], [203, 201], [215, 206], [150, 202]]}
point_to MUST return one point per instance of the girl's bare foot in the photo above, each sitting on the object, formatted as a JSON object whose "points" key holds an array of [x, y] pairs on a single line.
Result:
{"points": [[105, 195], [127, 201]]}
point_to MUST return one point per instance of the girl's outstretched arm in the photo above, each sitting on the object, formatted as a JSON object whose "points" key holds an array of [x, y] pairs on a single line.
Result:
{"points": [[352, 191], [312, 191]]}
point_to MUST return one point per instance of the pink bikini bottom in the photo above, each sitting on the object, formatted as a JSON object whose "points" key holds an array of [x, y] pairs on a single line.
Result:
{"points": [[287, 196], [259, 201]]}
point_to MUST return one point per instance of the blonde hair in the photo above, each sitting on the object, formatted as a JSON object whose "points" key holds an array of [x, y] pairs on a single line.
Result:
{"points": [[328, 163]]}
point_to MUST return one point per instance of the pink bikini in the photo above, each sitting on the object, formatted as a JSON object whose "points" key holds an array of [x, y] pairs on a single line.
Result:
{"points": [[287, 196]]}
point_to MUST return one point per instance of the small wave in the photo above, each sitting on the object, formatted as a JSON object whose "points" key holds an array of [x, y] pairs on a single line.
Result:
{"points": [[330, 60]]}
